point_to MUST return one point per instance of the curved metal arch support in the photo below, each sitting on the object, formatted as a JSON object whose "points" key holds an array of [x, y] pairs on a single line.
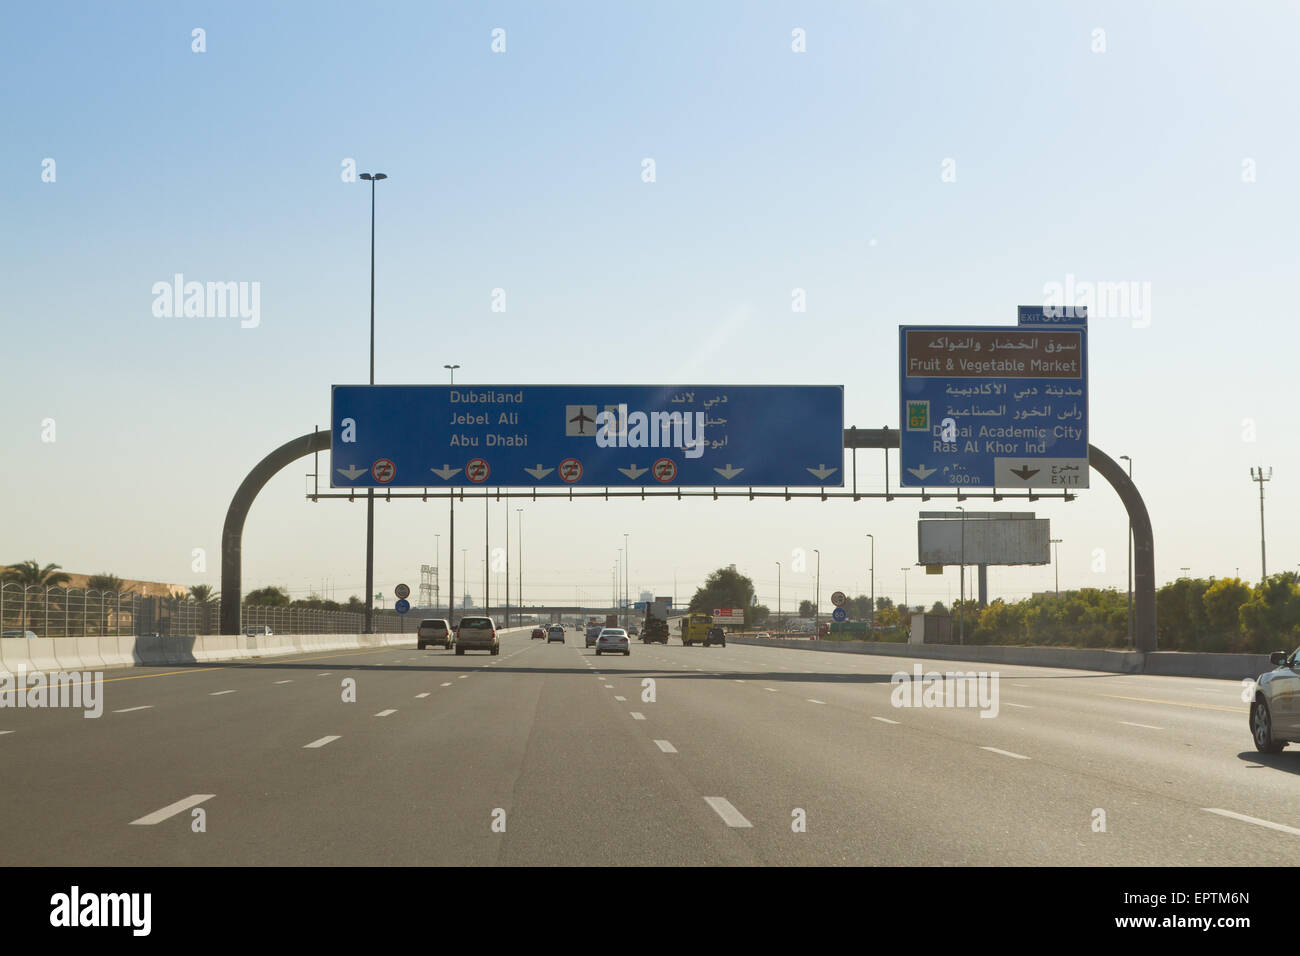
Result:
{"points": [[1144, 551], [233, 532]]}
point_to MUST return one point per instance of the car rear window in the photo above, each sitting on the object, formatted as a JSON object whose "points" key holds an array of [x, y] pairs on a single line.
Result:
{"points": [[434, 624], [476, 622]]}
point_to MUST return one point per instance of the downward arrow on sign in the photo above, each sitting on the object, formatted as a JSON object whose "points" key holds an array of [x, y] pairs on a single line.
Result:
{"points": [[728, 472], [922, 472], [1025, 472], [539, 472], [821, 472], [445, 472], [351, 472], [633, 471]]}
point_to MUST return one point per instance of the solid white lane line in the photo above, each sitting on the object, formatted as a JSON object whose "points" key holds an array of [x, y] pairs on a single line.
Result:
{"points": [[419, 696], [637, 716], [385, 713], [1294, 831], [180, 806], [127, 710], [1147, 726], [616, 697], [666, 747], [1005, 753], [218, 693], [730, 815], [322, 742], [884, 720]]}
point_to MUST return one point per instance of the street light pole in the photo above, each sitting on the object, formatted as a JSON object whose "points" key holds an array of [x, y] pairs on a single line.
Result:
{"points": [[463, 561], [507, 523], [520, 512], [1261, 478], [905, 604], [372, 178], [451, 546], [627, 560], [817, 603], [1056, 560], [873, 579], [778, 593]]}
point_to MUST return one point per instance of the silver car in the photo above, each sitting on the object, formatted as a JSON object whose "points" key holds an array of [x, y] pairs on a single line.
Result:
{"points": [[613, 639], [1275, 711]]}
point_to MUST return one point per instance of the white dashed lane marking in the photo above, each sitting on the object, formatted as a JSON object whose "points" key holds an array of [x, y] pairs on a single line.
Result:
{"points": [[322, 742], [1255, 820], [666, 747], [385, 713], [616, 697], [218, 693], [1146, 726], [1005, 753], [425, 694], [637, 716], [127, 710], [730, 815], [180, 806], [284, 682], [447, 684], [884, 720]]}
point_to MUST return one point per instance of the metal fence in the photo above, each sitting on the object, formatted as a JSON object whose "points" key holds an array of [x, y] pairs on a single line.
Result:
{"points": [[81, 612]]}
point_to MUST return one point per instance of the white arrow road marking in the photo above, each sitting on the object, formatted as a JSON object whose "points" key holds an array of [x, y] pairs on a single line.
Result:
{"points": [[1005, 753], [730, 815], [821, 472], [728, 472], [445, 472], [666, 747], [180, 806], [351, 473], [634, 472], [321, 743], [539, 472], [1255, 820], [922, 472]]}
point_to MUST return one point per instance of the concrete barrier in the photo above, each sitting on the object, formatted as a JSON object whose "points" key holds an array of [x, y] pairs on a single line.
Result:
{"points": [[1165, 663], [88, 651], [117, 651], [14, 655], [41, 655]]}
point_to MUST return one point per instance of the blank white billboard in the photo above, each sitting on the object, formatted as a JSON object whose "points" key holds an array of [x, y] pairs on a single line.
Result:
{"points": [[984, 541]]}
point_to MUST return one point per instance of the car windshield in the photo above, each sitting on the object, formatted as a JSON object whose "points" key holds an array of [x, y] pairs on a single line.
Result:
{"points": [[612, 632]]}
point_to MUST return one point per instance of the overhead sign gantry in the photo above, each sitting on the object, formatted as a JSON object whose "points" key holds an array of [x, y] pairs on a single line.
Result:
{"points": [[413, 436], [995, 406]]}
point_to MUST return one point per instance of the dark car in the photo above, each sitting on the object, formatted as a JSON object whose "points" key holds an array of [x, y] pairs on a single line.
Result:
{"points": [[715, 635], [538, 634], [434, 631]]}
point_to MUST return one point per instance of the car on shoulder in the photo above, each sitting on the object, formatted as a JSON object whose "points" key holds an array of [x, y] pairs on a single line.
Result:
{"points": [[258, 630], [1275, 711], [539, 634], [613, 640], [477, 634], [433, 631], [27, 634], [593, 632], [715, 635], [556, 633], [762, 635]]}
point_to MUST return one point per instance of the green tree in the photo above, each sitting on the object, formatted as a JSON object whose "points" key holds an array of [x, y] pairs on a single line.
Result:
{"points": [[30, 573], [938, 608], [1181, 623], [271, 596], [806, 608], [1270, 620], [104, 581], [1223, 600], [725, 587]]}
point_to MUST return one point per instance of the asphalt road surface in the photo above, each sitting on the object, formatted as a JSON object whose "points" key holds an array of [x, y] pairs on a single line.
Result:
{"points": [[548, 754]]}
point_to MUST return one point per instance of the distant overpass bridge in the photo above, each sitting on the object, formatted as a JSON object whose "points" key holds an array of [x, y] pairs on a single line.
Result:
{"points": [[551, 610]]}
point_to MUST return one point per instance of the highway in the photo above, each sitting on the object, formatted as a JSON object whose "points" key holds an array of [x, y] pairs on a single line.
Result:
{"points": [[561, 751]]}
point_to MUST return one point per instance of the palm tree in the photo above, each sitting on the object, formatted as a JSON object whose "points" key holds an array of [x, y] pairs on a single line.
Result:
{"points": [[30, 573], [104, 581], [201, 592]]}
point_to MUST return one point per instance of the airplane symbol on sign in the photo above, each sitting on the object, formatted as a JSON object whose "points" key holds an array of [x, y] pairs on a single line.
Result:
{"points": [[583, 420]]}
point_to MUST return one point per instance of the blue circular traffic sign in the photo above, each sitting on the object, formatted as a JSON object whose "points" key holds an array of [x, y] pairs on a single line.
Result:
{"points": [[839, 614], [401, 607]]}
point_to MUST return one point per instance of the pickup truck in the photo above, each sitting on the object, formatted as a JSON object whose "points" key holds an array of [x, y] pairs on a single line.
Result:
{"points": [[477, 634]]}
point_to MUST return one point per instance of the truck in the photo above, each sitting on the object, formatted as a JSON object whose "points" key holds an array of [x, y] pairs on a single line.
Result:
{"points": [[611, 620], [655, 628]]}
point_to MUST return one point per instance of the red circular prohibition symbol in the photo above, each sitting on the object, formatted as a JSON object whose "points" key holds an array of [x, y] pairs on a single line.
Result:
{"points": [[665, 469], [383, 471], [477, 470], [570, 470]]}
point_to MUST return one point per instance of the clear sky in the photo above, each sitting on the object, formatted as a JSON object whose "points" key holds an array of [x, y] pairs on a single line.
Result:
{"points": [[1168, 160]]}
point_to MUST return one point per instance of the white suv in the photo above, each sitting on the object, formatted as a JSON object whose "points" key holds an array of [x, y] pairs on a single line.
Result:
{"points": [[477, 634], [1275, 711]]}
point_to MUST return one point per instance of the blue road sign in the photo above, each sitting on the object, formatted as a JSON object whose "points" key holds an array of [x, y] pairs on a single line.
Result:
{"points": [[412, 436], [993, 406], [402, 606], [1051, 315], [839, 614]]}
